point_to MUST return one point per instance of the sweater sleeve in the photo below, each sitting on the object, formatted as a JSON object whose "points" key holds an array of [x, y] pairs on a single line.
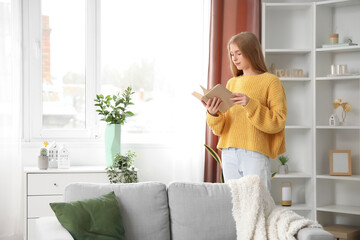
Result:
{"points": [[271, 118], [216, 123]]}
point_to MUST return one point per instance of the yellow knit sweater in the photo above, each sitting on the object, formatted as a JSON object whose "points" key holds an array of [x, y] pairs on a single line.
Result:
{"points": [[260, 125]]}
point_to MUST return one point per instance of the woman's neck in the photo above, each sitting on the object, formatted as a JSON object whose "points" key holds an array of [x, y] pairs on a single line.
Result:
{"points": [[250, 72]]}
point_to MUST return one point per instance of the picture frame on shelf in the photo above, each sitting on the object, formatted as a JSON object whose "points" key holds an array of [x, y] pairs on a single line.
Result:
{"points": [[340, 162]]}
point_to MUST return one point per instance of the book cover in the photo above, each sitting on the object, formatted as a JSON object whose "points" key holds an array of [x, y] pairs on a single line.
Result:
{"points": [[218, 91]]}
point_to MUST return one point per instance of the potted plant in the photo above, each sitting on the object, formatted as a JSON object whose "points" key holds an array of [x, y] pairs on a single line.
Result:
{"points": [[114, 111], [122, 170], [43, 159], [283, 168]]}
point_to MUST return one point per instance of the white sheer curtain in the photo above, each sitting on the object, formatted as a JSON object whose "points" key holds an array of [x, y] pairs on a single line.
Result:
{"points": [[11, 204]]}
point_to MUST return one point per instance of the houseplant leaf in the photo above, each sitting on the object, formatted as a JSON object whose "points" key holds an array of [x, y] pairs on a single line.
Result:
{"points": [[217, 159]]}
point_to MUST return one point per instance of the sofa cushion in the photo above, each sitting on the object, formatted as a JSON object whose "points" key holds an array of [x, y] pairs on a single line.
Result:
{"points": [[83, 219], [201, 211], [143, 206]]}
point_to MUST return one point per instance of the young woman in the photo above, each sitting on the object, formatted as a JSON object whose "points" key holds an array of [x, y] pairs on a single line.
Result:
{"points": [[253, 130]]}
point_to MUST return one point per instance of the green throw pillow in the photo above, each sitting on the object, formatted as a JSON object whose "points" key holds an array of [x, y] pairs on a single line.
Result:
{"points": [[95, 218]]}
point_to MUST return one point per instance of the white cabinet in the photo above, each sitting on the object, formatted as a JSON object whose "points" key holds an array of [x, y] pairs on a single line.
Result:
{"points": [[293, 34], [45, 186]]}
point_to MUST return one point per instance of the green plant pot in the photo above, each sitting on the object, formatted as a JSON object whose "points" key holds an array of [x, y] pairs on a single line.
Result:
{"points": [[112, 142]]}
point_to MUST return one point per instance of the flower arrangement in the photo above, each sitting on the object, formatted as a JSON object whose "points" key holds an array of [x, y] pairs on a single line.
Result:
{"points": [[114, 108], [346, 107]]}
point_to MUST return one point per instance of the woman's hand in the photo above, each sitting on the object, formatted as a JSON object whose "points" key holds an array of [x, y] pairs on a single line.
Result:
{"points": [[240, 99], [213, 105]]}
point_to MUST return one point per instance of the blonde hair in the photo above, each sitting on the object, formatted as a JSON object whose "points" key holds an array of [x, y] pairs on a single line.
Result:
{"points": [[250, 48]]}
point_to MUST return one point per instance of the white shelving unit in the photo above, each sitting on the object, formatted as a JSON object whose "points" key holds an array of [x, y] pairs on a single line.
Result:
{"points": [[293, 33]]}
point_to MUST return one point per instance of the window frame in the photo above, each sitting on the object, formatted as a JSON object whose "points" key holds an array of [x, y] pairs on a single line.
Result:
{"points": [[32, 75], [32, 41]]}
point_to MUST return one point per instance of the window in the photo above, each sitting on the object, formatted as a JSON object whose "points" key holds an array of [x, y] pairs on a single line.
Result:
{"points": [[63, 64], [77, 49]]}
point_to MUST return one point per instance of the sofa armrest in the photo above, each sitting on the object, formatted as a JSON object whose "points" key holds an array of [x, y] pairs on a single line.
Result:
{"points": [[314, 234], [49, 228]]}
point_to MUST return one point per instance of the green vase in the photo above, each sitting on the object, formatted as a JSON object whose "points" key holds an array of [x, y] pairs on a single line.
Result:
{"points": [[112, 142]]}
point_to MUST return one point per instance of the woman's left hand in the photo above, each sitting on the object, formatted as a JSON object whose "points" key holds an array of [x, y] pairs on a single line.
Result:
{"points": [[239, 98]]}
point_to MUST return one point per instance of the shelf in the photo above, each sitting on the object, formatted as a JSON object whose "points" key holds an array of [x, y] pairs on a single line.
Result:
{"points": [[343, 78], [296, 207], [337, 127], [300, 79], [293, 175], [338, 3], [346, 178], [289, 5], [297, 127], [339, 49], [288, 51], [340, 209]]}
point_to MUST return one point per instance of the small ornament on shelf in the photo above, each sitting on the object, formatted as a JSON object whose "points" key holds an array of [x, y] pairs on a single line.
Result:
{"points": [[53, 155], [283, 168], [339, 70], [333, 120], [286, 196], [340, 162], [286, 73], [63, 158], [346, 107], [334, 38], [289, 72]]}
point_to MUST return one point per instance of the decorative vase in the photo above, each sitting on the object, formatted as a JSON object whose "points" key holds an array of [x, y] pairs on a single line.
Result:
{"points": [[283, 169], [112, 142], [43, 162]]}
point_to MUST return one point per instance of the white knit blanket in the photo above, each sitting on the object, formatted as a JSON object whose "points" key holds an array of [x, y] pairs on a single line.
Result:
{"points": [[257, 217]]}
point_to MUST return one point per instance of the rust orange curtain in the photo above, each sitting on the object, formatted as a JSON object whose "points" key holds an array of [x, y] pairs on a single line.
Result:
{"points": [[228, 17]]}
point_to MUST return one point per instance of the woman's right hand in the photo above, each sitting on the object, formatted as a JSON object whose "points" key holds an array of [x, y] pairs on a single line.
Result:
{"points": [[213, 105]]}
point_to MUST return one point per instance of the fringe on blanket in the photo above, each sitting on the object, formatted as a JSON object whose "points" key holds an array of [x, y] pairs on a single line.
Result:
{"points": [[256, 215]]}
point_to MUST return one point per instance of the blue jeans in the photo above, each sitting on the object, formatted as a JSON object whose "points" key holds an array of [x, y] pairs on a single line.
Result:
{"points": [[237, 163]]}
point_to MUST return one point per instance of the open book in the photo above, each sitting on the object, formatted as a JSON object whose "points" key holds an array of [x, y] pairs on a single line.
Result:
{"points": [[218, 91]]}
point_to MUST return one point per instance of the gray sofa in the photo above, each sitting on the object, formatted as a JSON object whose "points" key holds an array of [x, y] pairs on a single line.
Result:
{"points": [[154, 211]]}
